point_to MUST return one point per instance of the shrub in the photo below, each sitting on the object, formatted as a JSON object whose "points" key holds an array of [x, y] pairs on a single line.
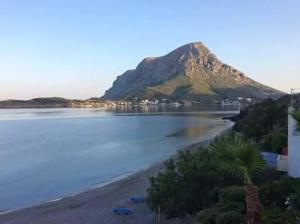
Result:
{"points": [[279, 216], [230, 208], [266, 123], [230, 217], [268, 175], [275, 140], [283, 194], [281, 200], [222, 213], [232, 193], [186, 184]]}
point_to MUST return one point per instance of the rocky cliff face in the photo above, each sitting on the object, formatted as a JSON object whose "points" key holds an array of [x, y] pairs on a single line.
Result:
{"points": [[190, 72]]}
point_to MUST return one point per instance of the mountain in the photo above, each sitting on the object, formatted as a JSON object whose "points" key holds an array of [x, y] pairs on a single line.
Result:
{"points": [[190, 72]]}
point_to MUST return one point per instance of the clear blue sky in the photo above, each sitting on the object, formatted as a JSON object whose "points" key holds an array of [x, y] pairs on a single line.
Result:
{"points": [[76, 49]]}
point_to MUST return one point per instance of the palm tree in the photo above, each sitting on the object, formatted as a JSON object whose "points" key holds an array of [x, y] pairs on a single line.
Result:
{"points": [[241, 158], [296, 115]]}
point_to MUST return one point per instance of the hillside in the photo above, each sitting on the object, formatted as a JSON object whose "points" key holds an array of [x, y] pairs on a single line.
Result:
{"points": [[190, 72], [266, 122], [49, 102]]}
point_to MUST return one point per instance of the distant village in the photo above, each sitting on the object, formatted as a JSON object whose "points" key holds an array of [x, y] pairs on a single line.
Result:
{"points": [[161, 102], [99, 102]]}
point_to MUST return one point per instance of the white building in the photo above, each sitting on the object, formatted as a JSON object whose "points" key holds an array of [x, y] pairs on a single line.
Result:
{"points": [[293, 147], [249, 100]]}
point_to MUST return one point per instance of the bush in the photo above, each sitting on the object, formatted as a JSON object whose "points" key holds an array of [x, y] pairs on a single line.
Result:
{"points": [[230, 208], [282, 194], [281, 200], [266, 123], [232, 193], [187, 184], [275, 141], [230, 217], [231, 213], [268, 175], [279, 216]]}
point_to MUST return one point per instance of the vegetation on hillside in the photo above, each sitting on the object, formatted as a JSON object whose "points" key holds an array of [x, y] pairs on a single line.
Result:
{"points": [[266, 123], [224, 183], [49, 102]]}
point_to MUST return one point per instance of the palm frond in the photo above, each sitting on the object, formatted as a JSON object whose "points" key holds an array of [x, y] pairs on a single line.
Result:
{"points": [[238, 157]]}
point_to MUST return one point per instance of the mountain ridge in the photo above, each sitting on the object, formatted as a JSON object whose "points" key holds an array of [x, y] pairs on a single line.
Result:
{"points": [[50, 102], [189, 72]]}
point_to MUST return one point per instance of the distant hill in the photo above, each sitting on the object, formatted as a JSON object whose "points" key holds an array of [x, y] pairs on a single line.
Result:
{"points": [[266, 122], [49, 102], [190, 72]]}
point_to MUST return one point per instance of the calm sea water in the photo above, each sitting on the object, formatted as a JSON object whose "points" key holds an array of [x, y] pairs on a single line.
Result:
{"points": [[50, 153]]}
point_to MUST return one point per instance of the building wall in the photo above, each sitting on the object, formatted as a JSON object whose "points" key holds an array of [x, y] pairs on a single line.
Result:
{"points": [[293, 148]]}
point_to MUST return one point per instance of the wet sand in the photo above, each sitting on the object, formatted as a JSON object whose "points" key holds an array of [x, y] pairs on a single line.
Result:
{"points": [[95, 206]]}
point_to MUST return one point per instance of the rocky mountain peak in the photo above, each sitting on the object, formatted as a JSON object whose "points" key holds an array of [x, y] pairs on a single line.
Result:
{"points": [[188, 72]]}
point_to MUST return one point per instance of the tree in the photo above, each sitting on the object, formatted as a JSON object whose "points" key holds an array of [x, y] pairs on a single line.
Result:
{"points": [[266, 123], [296, 115], [185, 185], [241, 158]]}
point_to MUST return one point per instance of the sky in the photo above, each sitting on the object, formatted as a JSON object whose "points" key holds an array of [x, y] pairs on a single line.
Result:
{"points": [[76, 49]]}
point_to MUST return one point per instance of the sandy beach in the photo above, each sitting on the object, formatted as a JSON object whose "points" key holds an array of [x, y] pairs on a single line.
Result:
{"points": [[95, 206]]}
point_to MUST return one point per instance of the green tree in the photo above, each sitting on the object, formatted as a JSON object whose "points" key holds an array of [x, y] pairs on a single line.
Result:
{"points": [[184, 187], [241, 158], [296, 115], [275, 140], [266, 123]]}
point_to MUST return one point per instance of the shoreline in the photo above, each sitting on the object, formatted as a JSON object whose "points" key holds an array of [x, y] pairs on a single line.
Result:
{"points": [[94, 205], [4, 117]]}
